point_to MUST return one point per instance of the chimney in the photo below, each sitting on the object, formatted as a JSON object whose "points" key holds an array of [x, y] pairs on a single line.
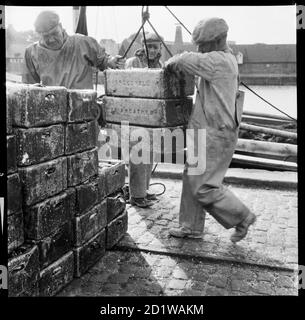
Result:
{"points": [[178, 44], [178, 35]]}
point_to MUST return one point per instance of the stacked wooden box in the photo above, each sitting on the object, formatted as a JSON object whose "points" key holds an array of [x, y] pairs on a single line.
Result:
{"points": [[113, 175], [89, 219], [23, 263], [39, 118], [14, 201], [150, 98], [63, 195]]}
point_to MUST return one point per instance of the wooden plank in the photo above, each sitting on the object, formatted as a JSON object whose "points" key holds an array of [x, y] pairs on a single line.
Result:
{"points": [[282, 150], [264, 121], [262, 163], [279, 133], [265, 115]]}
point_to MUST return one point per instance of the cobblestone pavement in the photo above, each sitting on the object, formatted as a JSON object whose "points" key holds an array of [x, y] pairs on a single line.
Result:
{"points": [[149, 262], [145, 274], [273, 240]]}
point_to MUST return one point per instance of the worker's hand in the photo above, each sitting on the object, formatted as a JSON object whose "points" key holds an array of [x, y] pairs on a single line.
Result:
{"points": [[172, 68], [116, 62]]}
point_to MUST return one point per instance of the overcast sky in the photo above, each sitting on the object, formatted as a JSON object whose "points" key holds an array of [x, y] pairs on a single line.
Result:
{"points": [[247, 24]]}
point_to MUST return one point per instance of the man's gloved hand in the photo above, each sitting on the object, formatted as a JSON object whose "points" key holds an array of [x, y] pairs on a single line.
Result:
{"points": [[116, 62], [172, 68]]}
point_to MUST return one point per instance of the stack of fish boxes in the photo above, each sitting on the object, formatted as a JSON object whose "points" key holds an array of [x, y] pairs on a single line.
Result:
{"points": [[90, 214], [150, 98], [64, 203], [14, 203], [23, 261], [39, 118], [64, 207], [113, 174]]}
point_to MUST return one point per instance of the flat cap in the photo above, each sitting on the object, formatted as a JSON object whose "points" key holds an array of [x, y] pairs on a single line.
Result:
{"points": [[151, 37], [209, 29], [46, 21]]}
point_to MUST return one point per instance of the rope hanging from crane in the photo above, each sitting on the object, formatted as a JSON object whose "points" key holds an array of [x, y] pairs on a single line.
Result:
{"points": [[241, 82], [145, 18]]}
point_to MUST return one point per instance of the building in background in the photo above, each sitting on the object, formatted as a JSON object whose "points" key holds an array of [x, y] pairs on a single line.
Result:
{"points": [[262, 64]]}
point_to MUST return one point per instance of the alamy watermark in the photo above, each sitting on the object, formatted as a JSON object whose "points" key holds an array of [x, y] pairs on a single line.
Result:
{"points": [[300, 17], [146, 145]]}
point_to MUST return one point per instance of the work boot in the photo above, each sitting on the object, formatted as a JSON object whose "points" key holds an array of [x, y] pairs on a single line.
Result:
{"points": [[141, 202], [241, 229], [183, 232], [151, 196]]}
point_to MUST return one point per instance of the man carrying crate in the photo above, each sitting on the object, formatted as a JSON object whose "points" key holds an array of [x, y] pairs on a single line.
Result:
{"points": [[217, 114]]}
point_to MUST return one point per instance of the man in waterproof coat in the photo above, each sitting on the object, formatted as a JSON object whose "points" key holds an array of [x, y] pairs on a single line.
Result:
{"points": [[214, 123], [59, 59]]}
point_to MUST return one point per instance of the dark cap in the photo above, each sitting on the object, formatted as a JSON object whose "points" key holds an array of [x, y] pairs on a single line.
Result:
{"points": [[209, 29], [46, 21], [151, 37]]}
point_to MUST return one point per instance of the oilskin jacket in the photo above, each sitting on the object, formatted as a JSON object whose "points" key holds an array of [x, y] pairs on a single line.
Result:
{"points": [[215, 111], [140, 61], [70, 66]]}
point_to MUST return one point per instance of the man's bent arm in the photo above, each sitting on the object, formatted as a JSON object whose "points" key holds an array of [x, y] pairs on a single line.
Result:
{"points": [[29, 74], [97, 55], [194, 63]]}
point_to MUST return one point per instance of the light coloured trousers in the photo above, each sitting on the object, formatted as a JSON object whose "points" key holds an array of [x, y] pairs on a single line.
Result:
{"points": [[205, 192], [139, 179]]}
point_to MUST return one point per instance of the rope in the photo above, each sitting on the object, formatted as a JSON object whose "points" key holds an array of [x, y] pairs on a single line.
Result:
{"points": [[268, 102], [165, 46], [161, 184], [144, 38], [133, 40], [241, 81], [179, 21], [126, 193]]}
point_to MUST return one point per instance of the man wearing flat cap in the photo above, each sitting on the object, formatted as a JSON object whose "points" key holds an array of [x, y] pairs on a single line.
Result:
{"points": [[217, 113], [140, 174], [58, 59], [154, 48]]}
